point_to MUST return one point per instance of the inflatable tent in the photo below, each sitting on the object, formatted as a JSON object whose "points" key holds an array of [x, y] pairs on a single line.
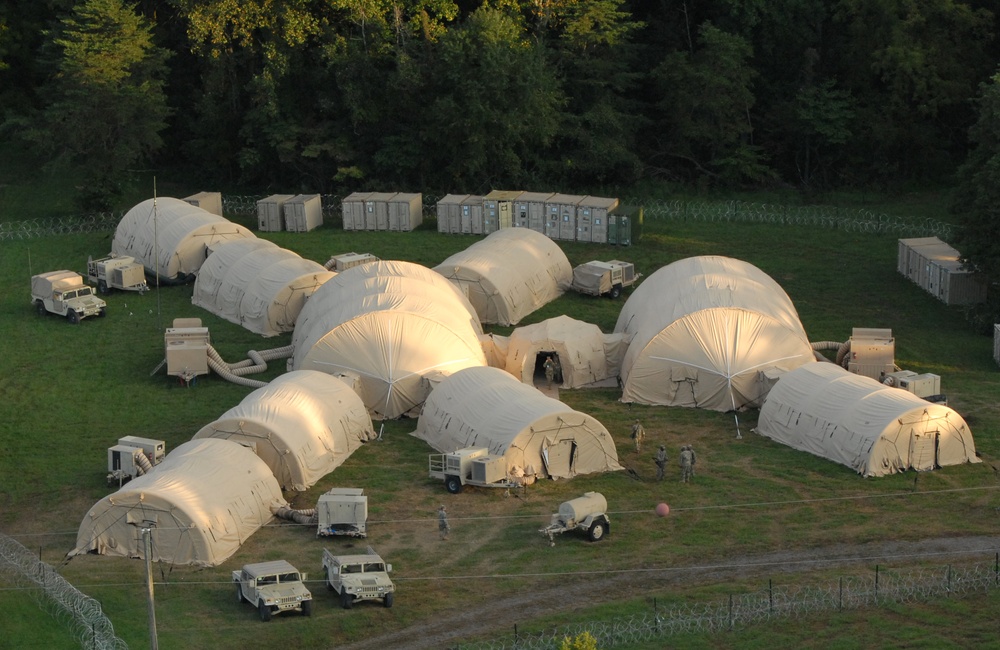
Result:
{"points": [[585, 354], [202, 502], [256, 284], [303, 424], [390, 323], [701, 329], [509, 274], [853, 420], [487, 407], [171, 237]]}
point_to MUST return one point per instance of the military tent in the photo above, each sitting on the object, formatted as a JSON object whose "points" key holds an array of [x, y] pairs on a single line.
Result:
{"points": [[856, 421], [256, 284], [585, 354], [701, 329], [201, 503], [303, 424], [487, 407], [390, 323], [509, 274], [171, 237]]}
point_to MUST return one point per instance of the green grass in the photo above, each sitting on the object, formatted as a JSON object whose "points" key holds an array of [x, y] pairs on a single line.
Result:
{"points": [[70, 392]]}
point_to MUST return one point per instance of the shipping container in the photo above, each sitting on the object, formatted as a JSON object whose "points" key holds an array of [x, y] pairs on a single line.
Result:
{"points": [[303, 213], [271, 212], [996, 343], [472, 215], [563, 206], [449, 213], [406, 211], [498, 210], [353, 208], [529, 210], [592, 218], [207, 201], [377, 210], [937, 268]]}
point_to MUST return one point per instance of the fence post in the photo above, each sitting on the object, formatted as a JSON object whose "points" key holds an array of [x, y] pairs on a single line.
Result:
{"points": [[770, 598], [876, 584], [730, 611], [949, 579], [656, 617], [840, 597], [996, 568]]}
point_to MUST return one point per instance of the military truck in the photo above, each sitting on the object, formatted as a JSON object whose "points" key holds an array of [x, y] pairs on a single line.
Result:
{"points": [[587, 513], [597, 278], [64, 293], [114, 272], [470, 466], [273, 587], [358, 577]]}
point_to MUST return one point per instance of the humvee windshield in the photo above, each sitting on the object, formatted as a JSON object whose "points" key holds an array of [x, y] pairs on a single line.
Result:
{"points": [[288, 577], [69, 295], [86, 291], [371, 567]]}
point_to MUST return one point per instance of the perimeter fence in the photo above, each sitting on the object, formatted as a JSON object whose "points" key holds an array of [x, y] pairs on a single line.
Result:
{"points": [[76, 611], [878, 588], [857, 220]]}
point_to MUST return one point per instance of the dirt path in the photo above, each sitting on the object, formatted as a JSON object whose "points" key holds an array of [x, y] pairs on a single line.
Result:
{"points": [[478, 618]]}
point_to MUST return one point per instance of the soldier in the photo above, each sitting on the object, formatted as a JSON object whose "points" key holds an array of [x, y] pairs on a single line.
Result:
{"points": [[661, 462], [638, 433], [687, 463], [550, 370], [443, 526]]}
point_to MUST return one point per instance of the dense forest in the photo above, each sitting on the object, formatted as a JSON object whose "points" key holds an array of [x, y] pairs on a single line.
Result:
{"points": [[438, 95]]}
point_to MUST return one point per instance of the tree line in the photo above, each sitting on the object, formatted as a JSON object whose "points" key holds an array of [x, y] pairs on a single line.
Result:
{"points": [[465, 96]]}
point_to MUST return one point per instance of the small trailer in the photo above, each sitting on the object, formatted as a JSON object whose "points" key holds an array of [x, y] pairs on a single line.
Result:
{"points": [[342, 511], [587, 513], [597, 278], [470, 466], [114, 272]]}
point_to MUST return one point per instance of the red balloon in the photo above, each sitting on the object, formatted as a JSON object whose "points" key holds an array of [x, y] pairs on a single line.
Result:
{"points": [[663, 510]]}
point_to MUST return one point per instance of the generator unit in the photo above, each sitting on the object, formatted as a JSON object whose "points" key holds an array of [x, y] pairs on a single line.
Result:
{"points": [[342, 511], [132, 457], [872, 352], [346, 261], [154, 450], [186, 344]]}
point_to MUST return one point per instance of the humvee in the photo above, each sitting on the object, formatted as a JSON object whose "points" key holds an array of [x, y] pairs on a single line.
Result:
{"points": [[65, 294], [358, 577], [274, 587]]}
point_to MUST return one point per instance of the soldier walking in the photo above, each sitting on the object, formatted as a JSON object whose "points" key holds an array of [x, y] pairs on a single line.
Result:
{"points": [[638, 433], [550, 370], [687, 463], [443, 527], [661, 462]]}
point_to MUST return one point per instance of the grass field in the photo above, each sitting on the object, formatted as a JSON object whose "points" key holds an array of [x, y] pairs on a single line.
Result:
{"points": [[68, 393]]}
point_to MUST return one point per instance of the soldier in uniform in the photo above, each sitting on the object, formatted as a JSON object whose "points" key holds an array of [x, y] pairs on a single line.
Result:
{"points": [[443, 525], [687, 463], [638, 433], [661, 462], [550, 370]]}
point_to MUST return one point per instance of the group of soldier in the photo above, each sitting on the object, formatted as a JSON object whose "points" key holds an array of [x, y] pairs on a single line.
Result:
{"points": [[687, 455]]}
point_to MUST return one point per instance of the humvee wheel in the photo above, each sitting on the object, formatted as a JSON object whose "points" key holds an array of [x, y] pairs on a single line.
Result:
{"points": [[616, 291], [103, 312], [387, 601], [102, 287], [597, 531], [453, 484], [239, 594], [264, 610], [346, 600], [73, 317], [40, 308], [307, 608], [326, 578]]}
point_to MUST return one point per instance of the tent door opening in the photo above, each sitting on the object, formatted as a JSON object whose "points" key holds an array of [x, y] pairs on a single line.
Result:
{"points": [[538, 376], [560, 459], [924, 450]]}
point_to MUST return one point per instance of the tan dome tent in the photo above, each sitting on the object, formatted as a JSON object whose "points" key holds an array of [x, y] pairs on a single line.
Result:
{"points": [[390, 323], [853, 420], [171, 237], [701, 329], [487, 407], [509, 274], [585, 354], [202, 502], [303, 424], [259, 286]]}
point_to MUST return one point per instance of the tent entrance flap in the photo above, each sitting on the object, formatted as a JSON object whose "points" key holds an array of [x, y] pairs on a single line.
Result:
{"points": [[560, 459], [923, 450]]}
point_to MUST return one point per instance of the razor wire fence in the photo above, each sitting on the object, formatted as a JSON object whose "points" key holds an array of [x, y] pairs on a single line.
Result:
{"points": [[879, 588], [855, 220], [80, 613]]}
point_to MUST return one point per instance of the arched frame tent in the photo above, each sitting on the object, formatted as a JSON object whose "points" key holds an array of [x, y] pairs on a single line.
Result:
{"points": [[303, 424], [487, 407], [171, 237], [389, 323], [509, 274], [701, 329], [261, 287], [201, 503], [585, 354], [856, 421]]}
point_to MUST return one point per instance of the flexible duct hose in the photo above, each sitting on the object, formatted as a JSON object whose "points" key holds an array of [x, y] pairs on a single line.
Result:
{"points": [[216, 363], [144, 466], [256, 363], [842, 351], [298, 516], [824, 345]]}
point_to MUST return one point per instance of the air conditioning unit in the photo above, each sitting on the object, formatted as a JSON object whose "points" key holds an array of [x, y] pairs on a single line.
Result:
{"points": [[155, 450]]}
